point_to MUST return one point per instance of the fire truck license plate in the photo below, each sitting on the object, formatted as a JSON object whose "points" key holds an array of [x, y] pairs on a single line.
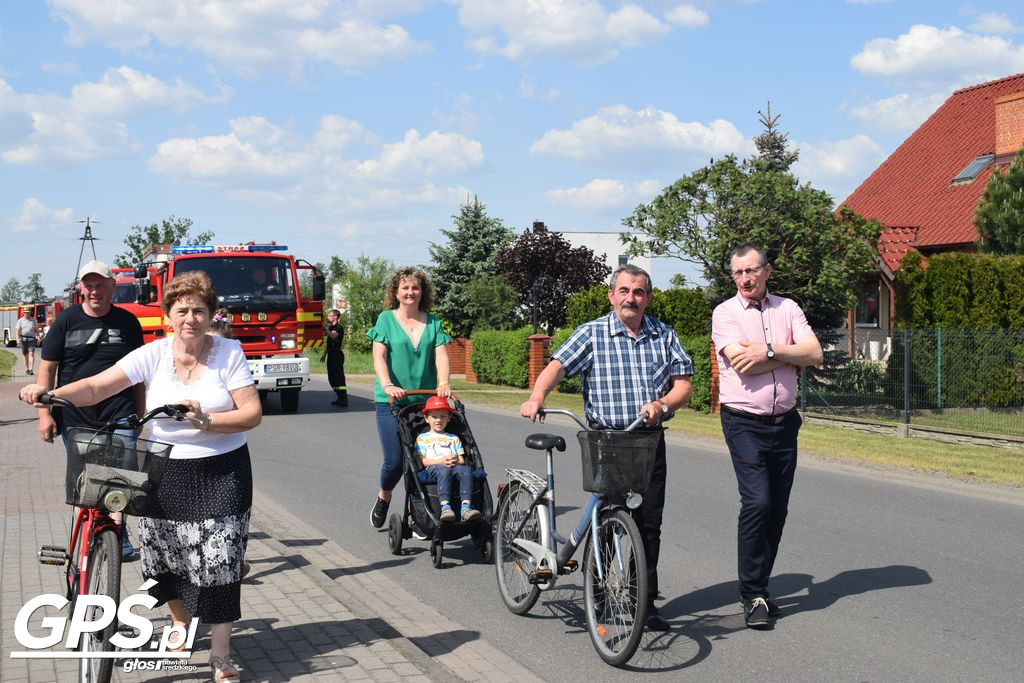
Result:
{"points": [[283, 367]]}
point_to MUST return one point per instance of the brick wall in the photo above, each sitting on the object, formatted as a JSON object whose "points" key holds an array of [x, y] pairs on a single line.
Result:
{"points": [[1009, 123], [715, 410], [458, 355]]}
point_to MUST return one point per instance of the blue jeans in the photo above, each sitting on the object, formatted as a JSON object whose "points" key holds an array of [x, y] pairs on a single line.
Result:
{"points": [[387, 430], [444, 474]]}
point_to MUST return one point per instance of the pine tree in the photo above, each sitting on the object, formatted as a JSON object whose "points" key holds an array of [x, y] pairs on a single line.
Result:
{"points": [[471, 251], [1000, 213], [772, 145]]}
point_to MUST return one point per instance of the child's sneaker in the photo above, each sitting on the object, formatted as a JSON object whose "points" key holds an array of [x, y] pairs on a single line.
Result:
{"points": [[468, 513], [447, 514]]}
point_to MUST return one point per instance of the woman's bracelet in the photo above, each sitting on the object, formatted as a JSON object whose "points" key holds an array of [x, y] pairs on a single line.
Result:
{"points": [[386, 386], [441, 383]]}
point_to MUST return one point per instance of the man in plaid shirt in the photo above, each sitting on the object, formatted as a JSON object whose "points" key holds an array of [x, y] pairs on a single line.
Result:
{"points": [[631, 364]]}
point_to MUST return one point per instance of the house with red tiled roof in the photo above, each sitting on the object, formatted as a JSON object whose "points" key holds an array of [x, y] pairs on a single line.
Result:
{"points": [[926, 192]]}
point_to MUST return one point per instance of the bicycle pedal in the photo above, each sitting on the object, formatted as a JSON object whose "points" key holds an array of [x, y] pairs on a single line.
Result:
{"points": [[541, 576], [570, 566], [52, 555]]}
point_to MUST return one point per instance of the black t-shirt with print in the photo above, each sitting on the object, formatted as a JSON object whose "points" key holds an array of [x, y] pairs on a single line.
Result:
{"points": [[84, 346]]}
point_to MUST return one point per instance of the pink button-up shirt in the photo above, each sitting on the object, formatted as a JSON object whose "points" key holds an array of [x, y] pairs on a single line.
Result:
{"points": [[780, 322]]}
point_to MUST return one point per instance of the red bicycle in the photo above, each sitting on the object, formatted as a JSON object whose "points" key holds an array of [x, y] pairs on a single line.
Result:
{"points": [[110, 473]]}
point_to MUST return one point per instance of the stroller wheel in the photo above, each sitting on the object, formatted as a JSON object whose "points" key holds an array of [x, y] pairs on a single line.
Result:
{"points": [[436, 549], [395, 534], [486, 548]]}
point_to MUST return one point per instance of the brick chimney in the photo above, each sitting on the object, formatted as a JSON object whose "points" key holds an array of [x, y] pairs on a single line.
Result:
{"points": [[1009, 124]]}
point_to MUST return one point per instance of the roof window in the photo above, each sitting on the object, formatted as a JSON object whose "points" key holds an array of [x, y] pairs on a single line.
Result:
{"points": [[972, 169]]}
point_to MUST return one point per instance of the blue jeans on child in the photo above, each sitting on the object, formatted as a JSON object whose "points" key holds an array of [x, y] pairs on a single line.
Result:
{"points": [[444, 475]]}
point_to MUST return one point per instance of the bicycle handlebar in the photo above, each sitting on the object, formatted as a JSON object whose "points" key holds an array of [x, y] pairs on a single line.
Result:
{"points": [[176, 411], [561, 411]]}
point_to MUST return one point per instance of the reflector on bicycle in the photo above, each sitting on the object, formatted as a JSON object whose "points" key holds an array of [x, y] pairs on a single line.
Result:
{"points": [[100, 462], [618, 462]]}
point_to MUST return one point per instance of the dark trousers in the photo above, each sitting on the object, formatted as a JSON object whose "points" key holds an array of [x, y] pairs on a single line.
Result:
{"points": [[336, 373], [764, 458], [648, 518]]}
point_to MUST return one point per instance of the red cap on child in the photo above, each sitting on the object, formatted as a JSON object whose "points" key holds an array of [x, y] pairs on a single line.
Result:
{"points": [[437, 403]]}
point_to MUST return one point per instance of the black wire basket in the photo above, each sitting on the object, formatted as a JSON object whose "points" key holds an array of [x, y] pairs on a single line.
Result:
{"points": [[616, 461], [112, 471]]}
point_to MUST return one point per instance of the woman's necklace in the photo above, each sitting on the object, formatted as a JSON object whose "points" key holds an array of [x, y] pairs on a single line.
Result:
{"points": [[188, 371]]}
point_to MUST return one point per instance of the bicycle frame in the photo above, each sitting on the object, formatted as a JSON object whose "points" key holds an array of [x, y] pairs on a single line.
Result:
{"points": [[89, 522]]}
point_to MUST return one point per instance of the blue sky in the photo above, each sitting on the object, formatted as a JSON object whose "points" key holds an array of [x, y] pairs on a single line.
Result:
{"points": [[359, 126]]}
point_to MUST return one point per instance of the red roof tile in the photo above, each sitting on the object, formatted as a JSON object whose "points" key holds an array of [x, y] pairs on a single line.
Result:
{"points": [[913, 186], [893, 245]]}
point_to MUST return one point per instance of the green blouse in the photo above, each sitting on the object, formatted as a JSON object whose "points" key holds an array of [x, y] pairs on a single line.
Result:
{"points": [[410, 367]]}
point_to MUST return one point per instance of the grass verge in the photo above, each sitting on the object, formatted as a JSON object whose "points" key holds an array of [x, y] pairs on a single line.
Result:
{"points": [[7, 361], [970, 463]]}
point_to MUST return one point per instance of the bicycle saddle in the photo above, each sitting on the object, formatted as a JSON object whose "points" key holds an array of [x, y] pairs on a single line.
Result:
{"points": [[543, 442]]}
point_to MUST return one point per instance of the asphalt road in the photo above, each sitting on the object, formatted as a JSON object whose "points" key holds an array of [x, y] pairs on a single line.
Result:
{"points": [[881, 576]]}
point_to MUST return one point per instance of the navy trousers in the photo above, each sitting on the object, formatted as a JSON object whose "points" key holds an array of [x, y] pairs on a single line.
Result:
{"points": [[764, 458]]}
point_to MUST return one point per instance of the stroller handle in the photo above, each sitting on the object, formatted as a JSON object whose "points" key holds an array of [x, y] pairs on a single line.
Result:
{"points": [[422, 392]]}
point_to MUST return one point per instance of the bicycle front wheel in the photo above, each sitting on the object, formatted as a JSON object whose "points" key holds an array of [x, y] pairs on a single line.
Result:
{"points": [[615, 587], [104, 579], [512, 565]]}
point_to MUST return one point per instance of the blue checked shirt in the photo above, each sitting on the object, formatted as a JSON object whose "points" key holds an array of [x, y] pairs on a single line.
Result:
{"points": [[621, 374]]}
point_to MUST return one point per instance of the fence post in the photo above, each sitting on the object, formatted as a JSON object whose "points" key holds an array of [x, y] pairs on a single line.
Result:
{"points": [[803, 389], [938, 354], [906, 376], [538, 359]]}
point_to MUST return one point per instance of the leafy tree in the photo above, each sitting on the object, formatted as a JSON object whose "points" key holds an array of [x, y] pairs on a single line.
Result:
{"points": [[492, 303], [471, 252], [544, 265], [587, 304], [1000, 213], [336, 270], [171, 230], [364, 285], [819, 256], [33, 289], [306, 280], [11, 291]]}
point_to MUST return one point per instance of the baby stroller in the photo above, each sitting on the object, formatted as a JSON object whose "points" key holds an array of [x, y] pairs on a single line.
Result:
{"points": [[421, 509]]}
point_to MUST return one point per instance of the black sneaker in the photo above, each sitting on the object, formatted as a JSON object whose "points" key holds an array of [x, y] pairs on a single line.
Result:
{"points": [[755, 613], [379, 513], [656, 622], [774, 610]]}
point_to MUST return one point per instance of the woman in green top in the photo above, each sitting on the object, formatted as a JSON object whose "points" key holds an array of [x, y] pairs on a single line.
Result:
{"points": [[408, 353]]}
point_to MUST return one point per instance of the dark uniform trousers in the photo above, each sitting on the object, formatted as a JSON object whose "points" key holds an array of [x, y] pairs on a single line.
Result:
{"points": [[764, 457]]}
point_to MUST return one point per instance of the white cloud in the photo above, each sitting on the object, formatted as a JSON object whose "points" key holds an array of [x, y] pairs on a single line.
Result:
{"points": [[528, 90], [261, 162], [251, 36], [990, 22], [928, 50], [34, 214], [828, 163], [902, 112], [581, 31], [687, 15], [48, 129], [603, 193], [620, 136]]}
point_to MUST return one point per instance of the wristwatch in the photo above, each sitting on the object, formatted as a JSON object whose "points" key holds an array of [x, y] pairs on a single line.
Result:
{"points": [[664, 407], [771, 352]]}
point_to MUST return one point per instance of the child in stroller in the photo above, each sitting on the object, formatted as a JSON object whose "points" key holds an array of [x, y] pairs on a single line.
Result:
{"points": [[444, 458], [422, 511]]}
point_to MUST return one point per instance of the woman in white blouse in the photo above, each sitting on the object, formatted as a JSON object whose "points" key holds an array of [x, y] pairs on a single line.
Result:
{"points": [[194, 538]]}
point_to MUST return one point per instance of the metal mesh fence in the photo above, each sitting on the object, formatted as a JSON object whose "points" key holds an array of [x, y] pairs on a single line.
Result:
{"points": [[963, 380]]}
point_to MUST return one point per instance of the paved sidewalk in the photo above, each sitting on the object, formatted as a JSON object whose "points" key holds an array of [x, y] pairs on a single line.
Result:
{"points": [[311, 611]]}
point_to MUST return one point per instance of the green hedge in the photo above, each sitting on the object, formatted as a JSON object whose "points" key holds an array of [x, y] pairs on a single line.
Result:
{"points": [[501, 357], [699, 348], [687, 311]]}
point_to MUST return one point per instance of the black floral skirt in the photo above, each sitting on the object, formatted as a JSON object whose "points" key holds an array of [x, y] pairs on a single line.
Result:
{"points": [[193, 541]]}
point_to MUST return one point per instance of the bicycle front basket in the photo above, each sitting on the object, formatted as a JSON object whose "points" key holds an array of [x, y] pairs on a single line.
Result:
{"points": [[618, 462], [100, 462]]}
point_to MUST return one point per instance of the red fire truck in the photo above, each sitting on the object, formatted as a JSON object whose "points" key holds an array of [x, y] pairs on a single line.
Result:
{"points": [[260, 289]]}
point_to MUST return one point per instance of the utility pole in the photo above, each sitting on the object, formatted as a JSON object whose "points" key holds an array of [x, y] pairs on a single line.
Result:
{"points": [[87, 237]]}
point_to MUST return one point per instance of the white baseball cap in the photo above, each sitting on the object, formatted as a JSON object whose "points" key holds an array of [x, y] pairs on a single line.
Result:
{"points": [[98, 267]]}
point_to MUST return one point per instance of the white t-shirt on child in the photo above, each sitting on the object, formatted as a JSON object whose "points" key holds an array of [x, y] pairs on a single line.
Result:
{"points": [[226, 371]]}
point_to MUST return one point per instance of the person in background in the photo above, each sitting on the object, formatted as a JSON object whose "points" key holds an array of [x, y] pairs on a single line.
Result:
{"points": [[194, 536], [27, 331], [334, 352], [762, 341], [631, 363], [85, 339], [220, 325], [409, 353]]}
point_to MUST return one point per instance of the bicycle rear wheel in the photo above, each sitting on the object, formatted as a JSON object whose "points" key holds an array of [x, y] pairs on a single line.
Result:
{"points": [[104, 579], [512, 567], [616, 605]]}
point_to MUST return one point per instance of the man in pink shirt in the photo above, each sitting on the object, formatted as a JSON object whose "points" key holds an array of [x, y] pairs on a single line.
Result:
{"points": [[762, 341]]}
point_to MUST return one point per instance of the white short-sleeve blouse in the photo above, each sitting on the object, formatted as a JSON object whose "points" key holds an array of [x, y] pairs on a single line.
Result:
{"points": [[226, 371]]}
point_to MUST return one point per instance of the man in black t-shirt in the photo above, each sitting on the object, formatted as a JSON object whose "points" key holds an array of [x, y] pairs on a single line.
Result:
{"points": [[86, 339]]}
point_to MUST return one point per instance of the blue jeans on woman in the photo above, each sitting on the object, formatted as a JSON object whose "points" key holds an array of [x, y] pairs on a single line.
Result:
{"points": [[387, 430]]}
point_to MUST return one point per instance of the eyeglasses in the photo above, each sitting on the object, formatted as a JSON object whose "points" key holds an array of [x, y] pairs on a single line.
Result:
{"points": [[748, 271]]}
